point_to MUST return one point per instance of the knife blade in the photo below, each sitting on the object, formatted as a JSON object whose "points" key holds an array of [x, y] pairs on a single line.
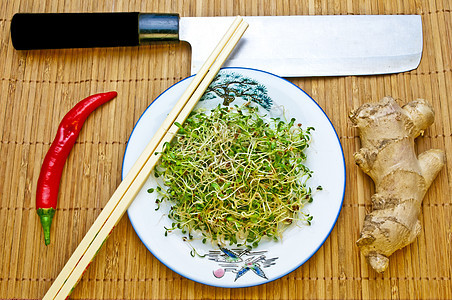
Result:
{"points": [[289, 46]]}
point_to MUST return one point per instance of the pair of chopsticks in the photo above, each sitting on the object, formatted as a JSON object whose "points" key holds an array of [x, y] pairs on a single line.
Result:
{"points": [[133, 182]]}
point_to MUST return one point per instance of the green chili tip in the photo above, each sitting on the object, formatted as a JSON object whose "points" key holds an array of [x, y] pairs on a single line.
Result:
{"points": [[46, 217]]}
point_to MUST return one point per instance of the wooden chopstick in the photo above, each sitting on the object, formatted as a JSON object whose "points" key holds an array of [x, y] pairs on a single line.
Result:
{"points": [[136, 168], [133, 182]]}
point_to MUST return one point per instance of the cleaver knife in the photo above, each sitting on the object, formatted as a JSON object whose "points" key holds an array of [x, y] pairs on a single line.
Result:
{"points": [[288, 46]]}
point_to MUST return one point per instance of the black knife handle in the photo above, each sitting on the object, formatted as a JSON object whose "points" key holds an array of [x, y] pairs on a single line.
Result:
{"points": [[86, 30]]}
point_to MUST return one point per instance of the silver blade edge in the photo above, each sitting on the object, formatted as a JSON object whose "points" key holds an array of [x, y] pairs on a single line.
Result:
{"points": [[302, 46]]}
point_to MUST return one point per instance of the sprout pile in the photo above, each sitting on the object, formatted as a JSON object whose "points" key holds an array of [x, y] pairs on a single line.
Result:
{"points": [[233, 176]]}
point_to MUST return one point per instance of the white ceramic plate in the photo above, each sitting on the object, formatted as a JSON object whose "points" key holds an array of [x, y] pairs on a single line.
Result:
{"points": [[270, 260]]}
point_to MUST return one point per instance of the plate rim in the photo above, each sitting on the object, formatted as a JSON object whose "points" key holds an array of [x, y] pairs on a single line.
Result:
{"points": [[320, 244]]}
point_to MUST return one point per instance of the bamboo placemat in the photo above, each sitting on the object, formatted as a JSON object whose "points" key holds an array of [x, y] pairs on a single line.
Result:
{"points": [[38, 88]]}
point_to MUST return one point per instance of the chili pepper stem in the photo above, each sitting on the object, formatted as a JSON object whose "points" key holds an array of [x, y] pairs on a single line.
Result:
{"points": [[46, 217]]}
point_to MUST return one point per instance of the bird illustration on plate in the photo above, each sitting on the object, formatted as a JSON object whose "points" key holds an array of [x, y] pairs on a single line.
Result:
{"points": [[240, 262]]}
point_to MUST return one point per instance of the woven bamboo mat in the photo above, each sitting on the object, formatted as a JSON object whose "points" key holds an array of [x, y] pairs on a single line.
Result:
{"points": [[38, 88]]}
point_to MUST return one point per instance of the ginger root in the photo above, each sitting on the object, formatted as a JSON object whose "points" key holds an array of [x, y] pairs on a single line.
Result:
{"points": [[387, 132]]}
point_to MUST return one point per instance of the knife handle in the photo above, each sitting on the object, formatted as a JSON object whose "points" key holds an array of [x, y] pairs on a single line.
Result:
{"points": [[86, 30]]}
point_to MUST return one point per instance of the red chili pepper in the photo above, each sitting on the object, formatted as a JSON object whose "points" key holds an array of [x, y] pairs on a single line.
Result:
{"points": [[52, 166]]}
